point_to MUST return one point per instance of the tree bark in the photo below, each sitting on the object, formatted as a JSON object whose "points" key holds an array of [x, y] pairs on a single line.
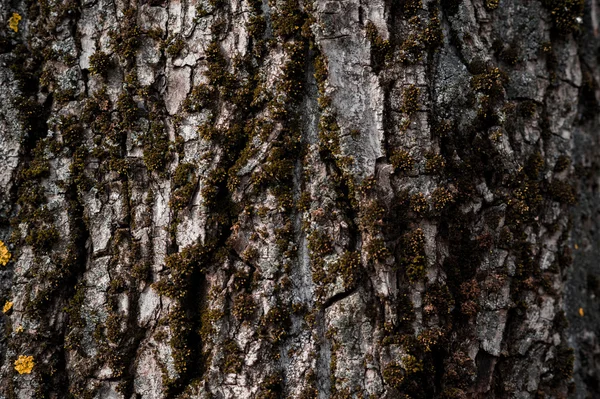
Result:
{"points": [[299, 199]]}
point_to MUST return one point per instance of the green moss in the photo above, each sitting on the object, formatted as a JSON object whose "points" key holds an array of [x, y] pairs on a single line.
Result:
{"points": [[284, 236], [402, 161], [412, 365], [432, 36], [418, 204], [511, 54], [321, 72], [141, 271], [367, 185], [492, 4], [217, 4], [201, 12], [181, 266], [310, 390], [57, 277], [565, 13], [441, 198], [257, 26], [535, 165], [256, 6], [439, 302], [184, 184], [208, 132], [527, 109], [217, 71], [30, 197], [292, 80], [213, 185], [209, 317], [244, 307], [128, 113], [156, 154], [405, 376], [562, 192], [71, 131], [329, 141], [348, 266], [376, 250], [155, 33], [562, 163], [410, 103], [38, 167], [29, 114], [126, 39], [250, 254], [277, 172], [422, 37], [525, 201], [412, 257], [287, 19], [411, 49], [184, 271], [118, 165], [77, 170], [100, 63], [97, 106], [180, 328], [487, 117], [563, 364], [443, 128], [303, 203], [233, 357], [381, 50], [434, 163], [319, 244], [64, 96], [371, 216], [276, 323], [175, 47], [393, 375], [410, 8], [271, 387], [42, 239], [490, 82]]}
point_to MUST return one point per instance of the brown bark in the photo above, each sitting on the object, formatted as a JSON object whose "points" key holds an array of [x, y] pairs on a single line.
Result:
{"points": [[283, 198]]}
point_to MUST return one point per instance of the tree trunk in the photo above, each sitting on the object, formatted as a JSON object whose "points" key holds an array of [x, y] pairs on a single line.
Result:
{"points": [[299, 199]]}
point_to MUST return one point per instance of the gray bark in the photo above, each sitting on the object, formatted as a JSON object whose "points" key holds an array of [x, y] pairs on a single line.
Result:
{"points": [[300, 199]]}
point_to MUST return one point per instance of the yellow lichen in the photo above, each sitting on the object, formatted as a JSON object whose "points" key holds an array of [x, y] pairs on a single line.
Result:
{"points": [[7, 306], [13, 22], [4, 254], [581, 313], [24, 364], [19, 329]]}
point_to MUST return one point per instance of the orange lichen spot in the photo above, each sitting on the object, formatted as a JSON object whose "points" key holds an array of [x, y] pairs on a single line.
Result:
{"points": [[7, 306], [581, 313], [13, 22], [4, 254], [576, 246], [24, 364], [19, 329]]}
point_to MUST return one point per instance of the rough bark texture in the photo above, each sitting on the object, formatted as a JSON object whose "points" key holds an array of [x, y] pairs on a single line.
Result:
{"points": [[300, 199]]}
